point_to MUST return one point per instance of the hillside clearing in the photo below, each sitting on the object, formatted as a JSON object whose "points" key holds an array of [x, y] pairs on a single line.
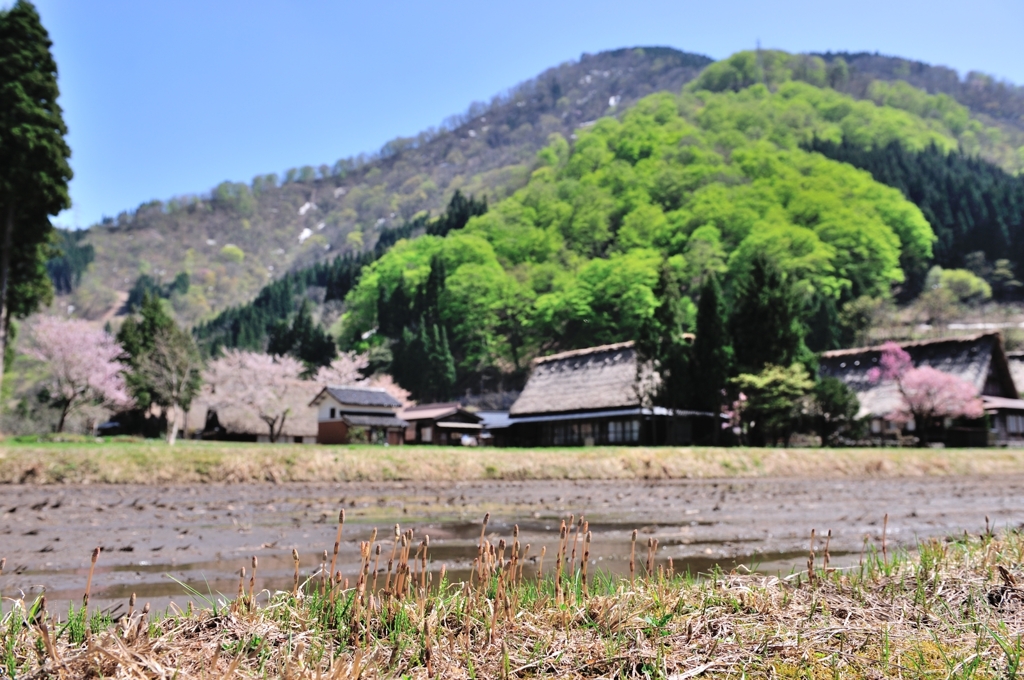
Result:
{"points": [[153, 462]]}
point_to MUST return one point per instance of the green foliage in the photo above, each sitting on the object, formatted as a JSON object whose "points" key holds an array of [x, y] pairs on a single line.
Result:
{"points": [[965, 286], [69, 261], [712, 349], [147, 285], [703, 184], [971, 204], [34, 169], [773, 395], [835, 408], [138, 336], [765, 320], [303, 339]]}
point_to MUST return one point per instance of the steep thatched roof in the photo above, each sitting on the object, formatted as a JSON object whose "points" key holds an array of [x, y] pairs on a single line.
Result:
{"points": [[595, 378], [977, 359], [1016, 362], [236, 418]]}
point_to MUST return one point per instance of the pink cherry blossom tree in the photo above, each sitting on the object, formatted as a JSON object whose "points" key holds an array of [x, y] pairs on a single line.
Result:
{"points": [[259, 382], [82, 362], [926, 393]]}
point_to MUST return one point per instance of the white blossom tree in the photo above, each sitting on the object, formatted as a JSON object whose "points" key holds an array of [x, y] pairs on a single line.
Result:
{"points": [[83, 365], [347, 370], [255, 381]]}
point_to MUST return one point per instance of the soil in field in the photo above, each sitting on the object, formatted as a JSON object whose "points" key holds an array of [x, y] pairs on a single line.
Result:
{"points": [[155, 539]]}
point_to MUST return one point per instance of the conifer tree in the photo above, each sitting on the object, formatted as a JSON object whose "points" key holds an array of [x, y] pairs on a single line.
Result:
{"points": [[34, 170], [765, 322], [712, 350]]}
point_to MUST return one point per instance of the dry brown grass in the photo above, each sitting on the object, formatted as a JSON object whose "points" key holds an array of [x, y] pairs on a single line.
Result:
{"points": [[952, 609], [153, 462]]}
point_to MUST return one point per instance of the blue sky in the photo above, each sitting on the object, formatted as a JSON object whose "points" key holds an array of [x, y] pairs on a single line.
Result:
{"points": [[168, 98]]}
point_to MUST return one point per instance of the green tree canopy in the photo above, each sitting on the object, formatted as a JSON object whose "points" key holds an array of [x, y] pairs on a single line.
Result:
{"points": [[704, 184]]}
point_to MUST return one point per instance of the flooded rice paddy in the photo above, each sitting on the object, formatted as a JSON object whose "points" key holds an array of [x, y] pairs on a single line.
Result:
{"points": [[155, 539]]}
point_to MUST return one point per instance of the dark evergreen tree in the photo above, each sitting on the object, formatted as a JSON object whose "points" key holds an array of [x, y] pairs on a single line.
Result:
{"points": [[712, 349], [69, 260], [663, 345], [304, 339], [34, 169], [765, 321], [824, 328], [971, 204], [459, 211]]}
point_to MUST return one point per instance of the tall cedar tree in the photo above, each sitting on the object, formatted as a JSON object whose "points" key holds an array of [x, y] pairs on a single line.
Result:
{"points": [[765, 322], [422, 357], [34, 169], [712, 350], [662, 343]]}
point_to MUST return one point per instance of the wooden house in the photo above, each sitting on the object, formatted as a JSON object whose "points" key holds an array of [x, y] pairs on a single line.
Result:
{"points": [[593, 396], [348, 414], [977, 359], [446, 423]]}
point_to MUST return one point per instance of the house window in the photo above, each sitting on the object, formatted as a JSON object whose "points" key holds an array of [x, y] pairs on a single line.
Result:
{"points": [[614, 431], [427, 434], [332, 414]]}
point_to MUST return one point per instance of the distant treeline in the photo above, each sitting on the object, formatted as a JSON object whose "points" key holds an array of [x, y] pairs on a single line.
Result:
{"points": [[250, 326], [972, 205], [70, 261]]}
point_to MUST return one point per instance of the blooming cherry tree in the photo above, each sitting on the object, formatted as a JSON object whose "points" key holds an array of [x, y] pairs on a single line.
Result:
{"points": [[347, 370], [83, 364], [926, 393], [259, 382]]}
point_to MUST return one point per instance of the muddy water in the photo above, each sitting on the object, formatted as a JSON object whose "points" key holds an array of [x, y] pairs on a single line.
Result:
{"points": [[155, 537]]}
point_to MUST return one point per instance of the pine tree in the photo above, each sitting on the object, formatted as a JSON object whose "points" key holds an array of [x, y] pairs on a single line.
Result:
{"points": [[34, 170], [765, 322], [712, 350]]}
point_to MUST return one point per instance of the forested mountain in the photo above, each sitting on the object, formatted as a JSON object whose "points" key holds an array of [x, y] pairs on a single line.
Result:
{"points": [[972, 205], [241, 237], [679, 189]]}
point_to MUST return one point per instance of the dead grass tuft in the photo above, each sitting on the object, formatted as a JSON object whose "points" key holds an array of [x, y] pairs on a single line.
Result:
{"points": [[950, 609]]}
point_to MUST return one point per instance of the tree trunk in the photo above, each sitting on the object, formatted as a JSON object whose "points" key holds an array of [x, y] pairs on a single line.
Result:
{"points": [[5, 276], [63, 416], [172, 425]]}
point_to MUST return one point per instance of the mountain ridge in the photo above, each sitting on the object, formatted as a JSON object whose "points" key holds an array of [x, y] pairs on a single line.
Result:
{"points": [[243, 236]]}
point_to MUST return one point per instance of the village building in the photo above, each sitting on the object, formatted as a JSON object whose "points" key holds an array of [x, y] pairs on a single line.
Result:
{"points": [[979, 360], [349, 414], [447, 423], [599, 395], [496, 426], [233, 421]]}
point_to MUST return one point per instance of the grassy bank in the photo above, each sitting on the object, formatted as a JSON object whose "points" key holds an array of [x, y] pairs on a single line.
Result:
{"points": [[153, 462], [951, 609]]}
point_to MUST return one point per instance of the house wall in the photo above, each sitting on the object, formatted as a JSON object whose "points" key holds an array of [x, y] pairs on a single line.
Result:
{"points": [[324, 410], [332, 432], [617, 431]]}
